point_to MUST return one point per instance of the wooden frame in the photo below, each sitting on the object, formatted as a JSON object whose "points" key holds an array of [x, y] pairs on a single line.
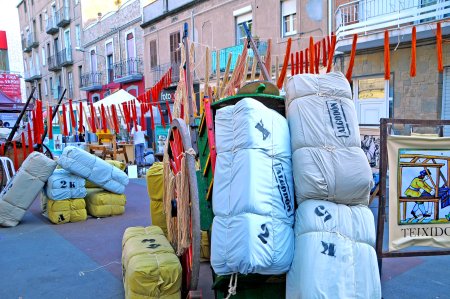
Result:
{"points": [[386, 124]]}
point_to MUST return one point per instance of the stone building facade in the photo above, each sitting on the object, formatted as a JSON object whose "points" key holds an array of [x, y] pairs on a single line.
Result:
{"points": [[50, 31], [113, 50]]}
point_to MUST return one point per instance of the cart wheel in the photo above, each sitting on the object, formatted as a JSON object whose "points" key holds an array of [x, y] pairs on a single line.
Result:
{"points": [[180, 142]]}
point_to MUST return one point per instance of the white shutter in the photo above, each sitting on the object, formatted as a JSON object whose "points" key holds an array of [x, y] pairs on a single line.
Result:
{"points": [[288, 7], [446, 99]]}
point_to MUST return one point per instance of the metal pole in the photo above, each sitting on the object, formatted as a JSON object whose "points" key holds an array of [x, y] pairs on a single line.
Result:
{"points": [[192, 125], [252, 44], [53, 115], [19, 119]]}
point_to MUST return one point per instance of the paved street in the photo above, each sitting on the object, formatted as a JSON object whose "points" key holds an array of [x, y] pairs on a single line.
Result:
{"points": [[82, 260]]}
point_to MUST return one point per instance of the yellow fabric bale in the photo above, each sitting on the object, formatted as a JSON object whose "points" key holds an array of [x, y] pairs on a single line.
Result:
{"points": [[158, 215], [150, 267], [68, 210], [155, 181], [115, 163], [101, 203], [204, 246]]}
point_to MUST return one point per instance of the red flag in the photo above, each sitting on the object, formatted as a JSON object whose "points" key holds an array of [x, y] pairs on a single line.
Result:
{"points": [[49, 122], [65, 133], [24, 146], [80, 126], [30, 139], [301, 62]]}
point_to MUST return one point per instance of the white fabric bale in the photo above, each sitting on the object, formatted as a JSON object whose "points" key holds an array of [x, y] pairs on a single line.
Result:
{"points": [[63, 185], [328, 265], [354, 222], [248, 181], [94, 169], [23, 188], [251, 125], [333, 84], [338, 175], [316, 121], [250, 243]]}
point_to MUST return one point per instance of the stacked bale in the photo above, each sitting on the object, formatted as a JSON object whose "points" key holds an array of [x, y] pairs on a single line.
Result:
{"points": [[63, 198], [107, 198], [150, 268], [155, 188], [334, 229], [23, 188], [253, 191]]}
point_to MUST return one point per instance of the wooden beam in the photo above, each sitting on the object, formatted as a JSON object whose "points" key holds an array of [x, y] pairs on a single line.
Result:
{"points": [[409, 164], [424, 156]]}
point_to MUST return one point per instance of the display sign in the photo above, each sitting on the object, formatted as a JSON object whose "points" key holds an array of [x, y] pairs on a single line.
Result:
{"points": [[10, 85], [419, 191]]}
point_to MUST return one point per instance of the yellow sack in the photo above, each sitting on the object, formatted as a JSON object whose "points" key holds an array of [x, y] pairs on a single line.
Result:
{"points": [[115, 163], [150, 268], [68, 210], [155, 181], [158, 215], [102, 203]]}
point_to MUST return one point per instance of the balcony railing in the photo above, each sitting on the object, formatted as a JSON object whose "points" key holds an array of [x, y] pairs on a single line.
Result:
{"points": [[159, 8], [63, 16], [235, 52], [110, 76], [364, 16], [32, 74], [54, 62], [65, 57], [91, 81], [160, 70], [128, 70], [51, 26], [32, 41]]}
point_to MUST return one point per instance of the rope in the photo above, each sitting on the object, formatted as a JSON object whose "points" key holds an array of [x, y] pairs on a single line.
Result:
{"points": [[81, 273], [232, 286], [183, 203]]}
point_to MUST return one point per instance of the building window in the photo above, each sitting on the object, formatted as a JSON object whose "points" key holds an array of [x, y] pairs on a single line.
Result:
{"points": [[109, 62], [76, 2], [43, 56], [70, 83], [45, 87], [25, 6], [51, 85], [288, 17], [93, 61], [153, 54], [40, 22], [78, 35], [131, 51], [80, 74], [240, 32], [95, 97], [175, 52]]}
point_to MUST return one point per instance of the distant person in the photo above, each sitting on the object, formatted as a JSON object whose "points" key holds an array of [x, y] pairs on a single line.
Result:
{"points": [[139, 144]]}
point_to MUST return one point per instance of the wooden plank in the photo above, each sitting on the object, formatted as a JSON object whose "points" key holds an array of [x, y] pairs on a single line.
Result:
{"points": [[409, 164]]}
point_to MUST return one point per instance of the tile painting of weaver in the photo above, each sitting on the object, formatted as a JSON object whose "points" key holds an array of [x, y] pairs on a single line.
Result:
{"points": [[423, 186]]}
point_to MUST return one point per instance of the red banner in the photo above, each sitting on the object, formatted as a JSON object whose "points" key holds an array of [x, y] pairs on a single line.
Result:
{"points": [[10, 85]]}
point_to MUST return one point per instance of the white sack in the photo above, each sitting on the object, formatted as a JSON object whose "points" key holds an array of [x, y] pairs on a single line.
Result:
{"points": [[250, 243], [337, 175], [249, 181], [64, 185], [353, 222], [251, 125], [23, 188], [322, 113], [94, 169], [328, 265]]}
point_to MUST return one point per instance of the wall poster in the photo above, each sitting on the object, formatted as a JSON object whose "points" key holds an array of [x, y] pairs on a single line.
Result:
{"points": [[419, 191]]}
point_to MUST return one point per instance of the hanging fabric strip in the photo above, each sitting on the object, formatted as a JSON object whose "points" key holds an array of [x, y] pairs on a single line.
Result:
{"points": [[292, 65], [296, 62], [301, 62], [439, 47], [30, 139], [16, 158], [324, 53], [73, 123], [65, 132], [412, 70], [387, 63], [93, 117], [50, 122], [317, 59], [307, 61], [24, 146], [104, 123], [80, 122], [331, 53], [280, 81], [311, 55], [348, 75], [143, 124]]}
